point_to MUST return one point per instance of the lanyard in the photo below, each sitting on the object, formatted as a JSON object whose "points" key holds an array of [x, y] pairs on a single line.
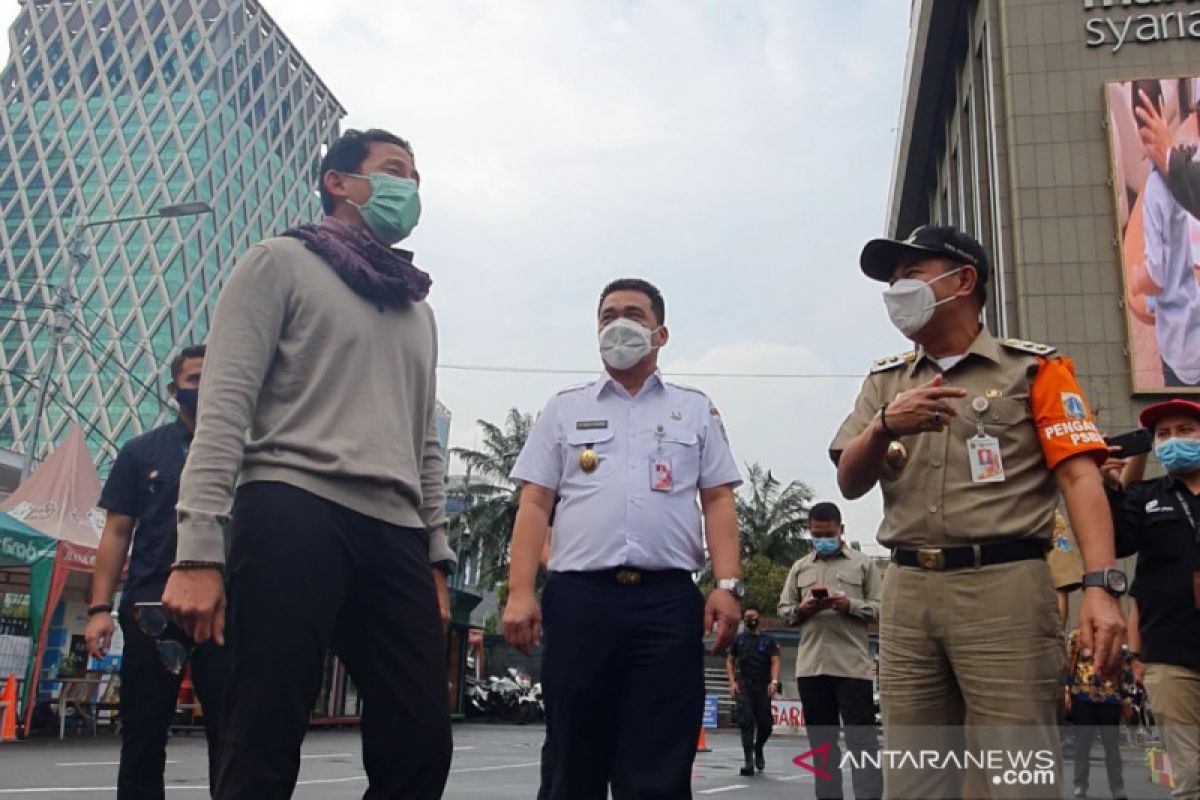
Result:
{"points": [[1187, 510]]}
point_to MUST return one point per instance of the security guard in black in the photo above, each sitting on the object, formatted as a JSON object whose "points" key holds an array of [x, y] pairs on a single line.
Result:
{"points": [[753, 671]]}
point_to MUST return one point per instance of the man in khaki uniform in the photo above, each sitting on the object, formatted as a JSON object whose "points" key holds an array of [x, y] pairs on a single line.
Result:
{"points": [[833, 594], [971, 439]]}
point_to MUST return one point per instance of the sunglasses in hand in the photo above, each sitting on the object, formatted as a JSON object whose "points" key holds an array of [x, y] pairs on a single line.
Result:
{"points": [[174, 646]]}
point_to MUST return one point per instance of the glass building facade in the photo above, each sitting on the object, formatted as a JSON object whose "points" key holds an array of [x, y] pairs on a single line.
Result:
{"points": [[114, 108]]}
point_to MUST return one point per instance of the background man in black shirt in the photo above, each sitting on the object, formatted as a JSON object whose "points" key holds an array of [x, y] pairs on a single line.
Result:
{"points": [[753, 671], [139, 498], [1158, 519]]}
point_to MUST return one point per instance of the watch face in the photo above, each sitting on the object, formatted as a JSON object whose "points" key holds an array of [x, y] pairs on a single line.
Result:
{"points": [[1117, 581]]}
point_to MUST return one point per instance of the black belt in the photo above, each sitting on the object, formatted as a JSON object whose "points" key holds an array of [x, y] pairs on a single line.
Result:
{"points": [[977, 555], [632, 576]]}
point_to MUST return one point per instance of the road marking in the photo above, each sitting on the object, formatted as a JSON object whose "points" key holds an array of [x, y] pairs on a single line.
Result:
{"points": [[321, 755], [463, 748], [493, 769], [65, 789], [94, 763], [312, 782], [720, 789]]}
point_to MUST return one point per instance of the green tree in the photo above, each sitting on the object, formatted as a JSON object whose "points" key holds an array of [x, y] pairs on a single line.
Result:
{"points": [[772, 517], [772, 522], [764, 581], [490, 497]]}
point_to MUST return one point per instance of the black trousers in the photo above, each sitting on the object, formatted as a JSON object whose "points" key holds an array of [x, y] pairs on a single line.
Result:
{"points": [[147, 704], [623, 675], [1089, 720], [830, 703], [754, 717], [306, 575]]}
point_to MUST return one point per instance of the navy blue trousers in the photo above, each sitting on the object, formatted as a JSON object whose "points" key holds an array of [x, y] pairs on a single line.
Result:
{"points": [[623, 676], [147, 704]]}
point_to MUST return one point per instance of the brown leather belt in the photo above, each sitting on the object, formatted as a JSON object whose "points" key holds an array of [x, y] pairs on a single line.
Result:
{"points": [[972, 555]]}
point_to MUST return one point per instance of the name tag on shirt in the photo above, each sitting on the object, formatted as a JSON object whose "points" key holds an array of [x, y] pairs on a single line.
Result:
{"points": [[661, 477], [983, 452], [591, 425]]}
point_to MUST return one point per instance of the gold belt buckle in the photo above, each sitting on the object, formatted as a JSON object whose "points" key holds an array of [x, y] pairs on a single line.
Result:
{"points": [[628, 577], [931, 558]]}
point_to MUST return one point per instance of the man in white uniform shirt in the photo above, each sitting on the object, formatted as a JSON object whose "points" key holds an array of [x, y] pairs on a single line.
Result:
{"points": [[627, 455]]}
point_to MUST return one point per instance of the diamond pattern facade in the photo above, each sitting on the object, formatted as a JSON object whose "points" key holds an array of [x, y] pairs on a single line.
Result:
{"points": [[112, 108]]}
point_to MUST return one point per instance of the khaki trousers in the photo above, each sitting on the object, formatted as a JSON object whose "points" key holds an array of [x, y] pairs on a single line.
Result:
{"points": [[971, 661], [1175, 700]]}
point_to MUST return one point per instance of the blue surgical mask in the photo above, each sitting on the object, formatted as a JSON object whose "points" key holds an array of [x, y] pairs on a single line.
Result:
{"points": [[1179, 455], [393, 209], [827, 545]]}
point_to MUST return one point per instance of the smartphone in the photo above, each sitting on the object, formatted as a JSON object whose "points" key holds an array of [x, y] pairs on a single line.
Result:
{"points": [[1132, 443], [820, 592]]}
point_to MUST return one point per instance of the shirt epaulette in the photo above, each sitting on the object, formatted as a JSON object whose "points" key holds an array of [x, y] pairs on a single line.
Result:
{"points": [[1033, 348], [574, 388], [685, 388], [891, 362]]}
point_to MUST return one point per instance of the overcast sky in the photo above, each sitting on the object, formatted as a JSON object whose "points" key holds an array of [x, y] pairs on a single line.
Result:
{"points": [[736, 154]]}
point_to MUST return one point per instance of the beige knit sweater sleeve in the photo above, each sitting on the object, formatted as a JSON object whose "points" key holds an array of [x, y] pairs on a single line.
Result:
{"points": [[244, 333]]}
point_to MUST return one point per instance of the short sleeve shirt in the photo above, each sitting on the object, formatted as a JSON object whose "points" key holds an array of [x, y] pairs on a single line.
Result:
{"points": [[627, 471], [1032, 405], [752, 654], [144, 484]]}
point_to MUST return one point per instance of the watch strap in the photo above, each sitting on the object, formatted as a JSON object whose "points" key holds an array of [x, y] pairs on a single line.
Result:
{"points": [[99, 608]]}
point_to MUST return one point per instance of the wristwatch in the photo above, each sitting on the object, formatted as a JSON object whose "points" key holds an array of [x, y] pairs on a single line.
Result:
{"points": [[733, 585], [1111, 579]]}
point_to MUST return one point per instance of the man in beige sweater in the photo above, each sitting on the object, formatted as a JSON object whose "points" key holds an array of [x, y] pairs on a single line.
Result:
{"points": [[316, 442]]}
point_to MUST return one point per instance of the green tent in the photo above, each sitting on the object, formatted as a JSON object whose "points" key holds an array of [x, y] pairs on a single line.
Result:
{"points": [[21, 545], [24, 547]]}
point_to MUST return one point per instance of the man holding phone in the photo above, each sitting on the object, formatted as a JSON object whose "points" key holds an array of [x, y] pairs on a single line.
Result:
{"points": [[1159, 519], [139, 502], [833, 594]]}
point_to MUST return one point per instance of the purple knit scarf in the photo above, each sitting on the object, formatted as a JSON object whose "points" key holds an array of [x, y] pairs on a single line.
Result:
{"points": [[381, 274]]}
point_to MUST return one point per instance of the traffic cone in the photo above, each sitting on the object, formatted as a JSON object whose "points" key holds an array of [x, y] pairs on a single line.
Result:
{"points": [[701, 747], [8, 699]]}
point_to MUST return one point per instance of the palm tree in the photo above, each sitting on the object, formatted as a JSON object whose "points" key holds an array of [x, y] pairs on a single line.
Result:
{"points": [[485, 527], [772, 517]]}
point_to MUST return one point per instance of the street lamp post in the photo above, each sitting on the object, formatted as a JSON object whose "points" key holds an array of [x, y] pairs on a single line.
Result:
{"points": [[61, 323]]}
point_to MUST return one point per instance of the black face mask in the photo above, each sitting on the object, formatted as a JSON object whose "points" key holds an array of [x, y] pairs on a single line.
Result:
{"points": [[751, 624], [187, 399]]}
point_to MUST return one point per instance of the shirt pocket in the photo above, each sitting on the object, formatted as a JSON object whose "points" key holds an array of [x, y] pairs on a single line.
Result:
{"points": [[157, 484], [1007, 419], [850, 583], [682, 447], [599, 442]]}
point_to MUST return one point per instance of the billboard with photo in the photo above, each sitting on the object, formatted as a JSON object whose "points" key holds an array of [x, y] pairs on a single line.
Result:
{"points": [[1153, 134]]}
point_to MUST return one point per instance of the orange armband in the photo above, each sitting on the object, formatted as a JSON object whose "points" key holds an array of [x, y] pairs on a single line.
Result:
{"points": [[1064, 423]]}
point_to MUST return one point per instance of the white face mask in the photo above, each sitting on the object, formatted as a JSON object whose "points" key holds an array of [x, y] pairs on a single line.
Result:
{"points": [[624, 343], [910, 302]]}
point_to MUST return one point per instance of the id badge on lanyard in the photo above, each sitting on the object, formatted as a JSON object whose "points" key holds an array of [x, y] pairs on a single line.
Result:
{"points": [[983, 451], [662, 478]]}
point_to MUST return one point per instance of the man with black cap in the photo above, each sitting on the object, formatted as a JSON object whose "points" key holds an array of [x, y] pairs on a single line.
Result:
{"points": [[970, 439], [1159, 519]]}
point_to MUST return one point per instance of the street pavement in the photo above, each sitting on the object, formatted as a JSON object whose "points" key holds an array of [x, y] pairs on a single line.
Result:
{"points": [[499, 762]]}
